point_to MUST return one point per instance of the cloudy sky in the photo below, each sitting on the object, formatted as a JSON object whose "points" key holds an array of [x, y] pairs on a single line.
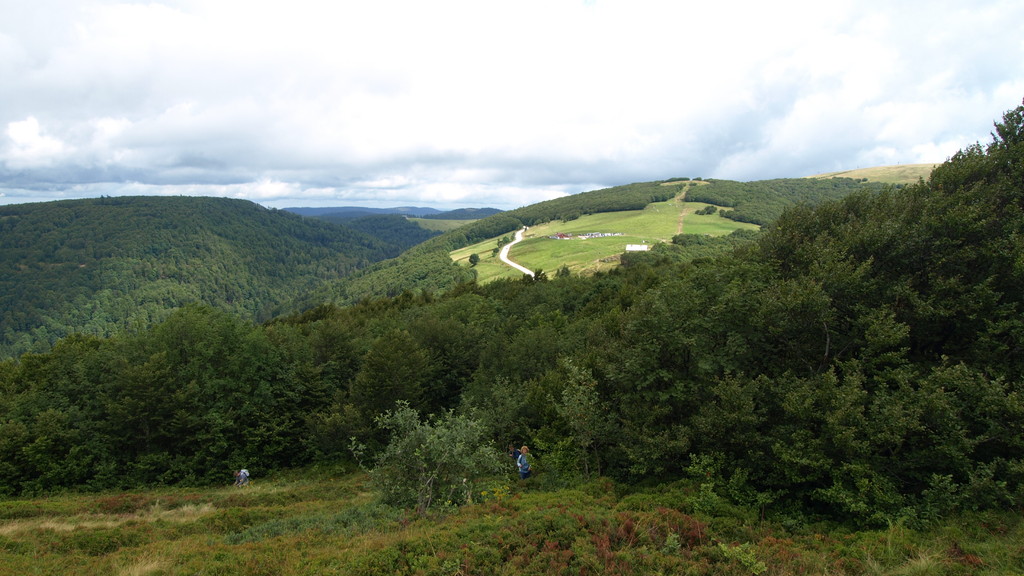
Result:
{"points": [[499, 103]]}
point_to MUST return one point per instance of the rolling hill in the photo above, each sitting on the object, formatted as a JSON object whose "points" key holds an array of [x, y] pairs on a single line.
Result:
{"points": [[595, 242], [441, 263], [858, 361], [105, 265], [342, 212]]}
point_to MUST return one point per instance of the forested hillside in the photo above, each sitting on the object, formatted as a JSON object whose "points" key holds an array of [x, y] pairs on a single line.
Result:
{"points": [[104, 265], [762, 201], [393, 230], [862, 360], [463, 214]]}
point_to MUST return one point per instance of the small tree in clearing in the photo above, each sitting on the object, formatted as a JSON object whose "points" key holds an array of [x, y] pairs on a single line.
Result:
{"points": [[432, 462]]}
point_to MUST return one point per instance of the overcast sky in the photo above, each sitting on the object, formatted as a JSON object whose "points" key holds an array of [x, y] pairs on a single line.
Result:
{"points": [[474, 103]]}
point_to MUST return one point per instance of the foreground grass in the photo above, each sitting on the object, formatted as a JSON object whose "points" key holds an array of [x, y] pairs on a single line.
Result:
{"points": [[319, 524]]}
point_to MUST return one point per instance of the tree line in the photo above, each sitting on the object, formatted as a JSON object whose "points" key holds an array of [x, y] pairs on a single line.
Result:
{"points": [[763, 201]]}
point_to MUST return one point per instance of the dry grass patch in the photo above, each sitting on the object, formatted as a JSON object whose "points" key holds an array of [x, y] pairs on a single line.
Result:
{"points": [[186, 513], [898, 174], [144, 566]]}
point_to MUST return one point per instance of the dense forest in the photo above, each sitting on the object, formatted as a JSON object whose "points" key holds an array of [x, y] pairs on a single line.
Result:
{"points": [[859, 360], [105, 265], [763, 201], [397, 231]]}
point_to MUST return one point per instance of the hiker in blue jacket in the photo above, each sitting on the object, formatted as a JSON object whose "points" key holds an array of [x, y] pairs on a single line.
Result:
{"points": [[523, 463]]}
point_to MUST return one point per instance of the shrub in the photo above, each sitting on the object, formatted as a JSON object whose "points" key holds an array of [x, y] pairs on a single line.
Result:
{"points": [[434, 462]]}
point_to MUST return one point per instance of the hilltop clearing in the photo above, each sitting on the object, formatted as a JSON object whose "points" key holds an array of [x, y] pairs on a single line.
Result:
{"points": [[442, 263], [594, 243], [897, 174]]}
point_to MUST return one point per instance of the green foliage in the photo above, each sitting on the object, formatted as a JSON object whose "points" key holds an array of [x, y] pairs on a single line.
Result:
{"points": [[395, 231], [394, 369], [424, 269], [430, 464], [744, 555], [617, 199], [463, 214], [585, 418], [191, 400], [762, 201]]}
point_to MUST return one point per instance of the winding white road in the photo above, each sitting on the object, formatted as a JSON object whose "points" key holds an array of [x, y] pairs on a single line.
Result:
{"points": [[504, 253]]}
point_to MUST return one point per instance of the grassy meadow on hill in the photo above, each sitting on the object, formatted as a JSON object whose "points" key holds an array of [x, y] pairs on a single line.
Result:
{"points": [[656, 223], [331, 524], [896, 174], [434, 266]]}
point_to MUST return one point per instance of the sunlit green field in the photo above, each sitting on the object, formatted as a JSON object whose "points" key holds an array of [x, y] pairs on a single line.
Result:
{"points": [[897, 174], [490, 267], [318, 523], [658, 222]]}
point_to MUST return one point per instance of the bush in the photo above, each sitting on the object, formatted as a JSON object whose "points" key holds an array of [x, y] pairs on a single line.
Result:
{"points": [[434, 462]]}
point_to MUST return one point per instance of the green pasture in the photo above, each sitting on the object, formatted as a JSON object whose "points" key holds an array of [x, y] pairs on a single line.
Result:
{"points": [[897, 174], [490, 267], [658, 222]]}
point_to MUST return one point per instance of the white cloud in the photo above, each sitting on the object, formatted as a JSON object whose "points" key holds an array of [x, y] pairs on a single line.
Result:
{"points": [[461, 101], [29, 147]]}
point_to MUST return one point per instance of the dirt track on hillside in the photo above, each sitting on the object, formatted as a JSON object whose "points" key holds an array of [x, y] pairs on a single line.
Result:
{"points": [[503, 255]]}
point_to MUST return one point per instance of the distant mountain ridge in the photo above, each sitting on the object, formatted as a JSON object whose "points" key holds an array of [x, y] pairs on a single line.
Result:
{"points": [[464, 214], [343, 212], [358, 211]]}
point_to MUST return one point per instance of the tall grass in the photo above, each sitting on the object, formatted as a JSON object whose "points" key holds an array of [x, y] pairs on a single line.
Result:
{"points": [[322, 524]]}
